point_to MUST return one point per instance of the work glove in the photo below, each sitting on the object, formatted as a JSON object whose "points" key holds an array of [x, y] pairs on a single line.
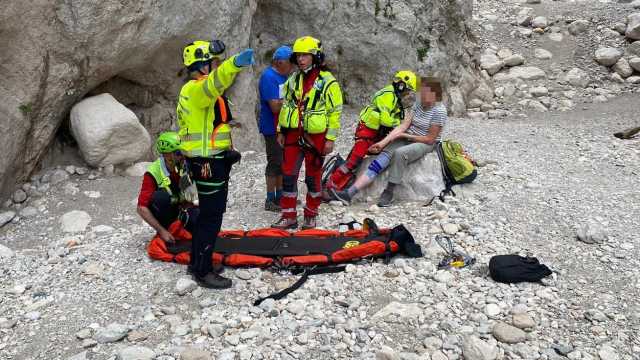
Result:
{"points": [[244, 58]]}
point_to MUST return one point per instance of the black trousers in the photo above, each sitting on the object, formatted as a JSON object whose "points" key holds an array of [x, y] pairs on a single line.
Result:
{"points": [[211, 176], [166, 212]]}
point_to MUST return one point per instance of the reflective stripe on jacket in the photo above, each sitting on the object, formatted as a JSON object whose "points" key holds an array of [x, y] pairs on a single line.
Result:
{"points": [[385, 110], [201, 134], [158, 169], [321, 107]]}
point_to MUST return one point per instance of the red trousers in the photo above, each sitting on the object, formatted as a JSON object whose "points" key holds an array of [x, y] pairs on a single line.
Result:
{"points": [[365, 137], [293, 156]]}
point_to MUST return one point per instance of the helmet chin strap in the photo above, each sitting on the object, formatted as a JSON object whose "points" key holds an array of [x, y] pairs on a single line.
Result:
{"points": [[202, 72]]}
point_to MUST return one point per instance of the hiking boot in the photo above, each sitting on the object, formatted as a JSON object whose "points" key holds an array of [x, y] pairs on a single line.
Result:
{"points": [[285, 223], [217, 268], [386, 198], [342, 196], [213, 281], [270, 205], [309, 223]]}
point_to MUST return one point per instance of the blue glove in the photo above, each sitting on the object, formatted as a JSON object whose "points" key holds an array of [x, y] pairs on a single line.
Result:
{"points": [[244, 58]]}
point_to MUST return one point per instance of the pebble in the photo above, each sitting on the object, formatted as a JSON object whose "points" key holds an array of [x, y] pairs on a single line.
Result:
{"points": [[386, 353], [542, 54], [6, 217], [58, 176], [606, 352], [137, 169], [508, 334], [443, 276], [7, 323], [591, 233], [112, 333], [523, 321], [243, 274], [33, 315], [492, 310], [28, 212], [137, 336], [84, 334], [296, 307], [19, 196], [185, 286], [74, 221], [400, 310], [474, 348], [136, 353], [195, 354], [450, 229]]}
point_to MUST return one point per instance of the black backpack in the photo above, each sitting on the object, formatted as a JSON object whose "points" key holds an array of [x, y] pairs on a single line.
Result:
{"points": [[514, 269]]}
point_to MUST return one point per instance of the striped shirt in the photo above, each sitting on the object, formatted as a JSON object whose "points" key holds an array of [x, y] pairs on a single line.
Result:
{"points": [[423, 119]]}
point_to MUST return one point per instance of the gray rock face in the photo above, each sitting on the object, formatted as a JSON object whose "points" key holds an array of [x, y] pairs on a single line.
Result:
{"points": [[136, 353], [133, 49], [107, 132], [438, 38], [633, 26], [608, 56], [474, 348], [131, 41]]}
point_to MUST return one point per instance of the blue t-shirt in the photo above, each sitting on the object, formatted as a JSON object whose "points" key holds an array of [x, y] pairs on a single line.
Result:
{"points": [[270, 87]]}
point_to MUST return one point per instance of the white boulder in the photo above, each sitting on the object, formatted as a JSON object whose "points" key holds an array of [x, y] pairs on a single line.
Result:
{"points": [[107, 132], [422, 182]]}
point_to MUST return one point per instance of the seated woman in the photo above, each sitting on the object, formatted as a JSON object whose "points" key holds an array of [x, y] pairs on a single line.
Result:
{"points": [[415, 137]]}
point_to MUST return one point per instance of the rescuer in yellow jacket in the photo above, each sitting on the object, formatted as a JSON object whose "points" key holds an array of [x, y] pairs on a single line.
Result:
{"points": [[205, 134], [383, 114], [308, 124]]}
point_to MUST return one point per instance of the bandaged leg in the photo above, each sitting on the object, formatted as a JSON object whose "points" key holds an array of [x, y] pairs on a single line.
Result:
{"points": [[376, 167]]}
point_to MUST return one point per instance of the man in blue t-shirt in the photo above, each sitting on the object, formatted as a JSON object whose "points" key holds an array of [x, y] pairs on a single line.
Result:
{"points": [[270, 88]]}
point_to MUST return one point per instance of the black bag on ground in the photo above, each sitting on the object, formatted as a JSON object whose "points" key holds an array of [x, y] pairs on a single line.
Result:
{"points": [[514, 269]]}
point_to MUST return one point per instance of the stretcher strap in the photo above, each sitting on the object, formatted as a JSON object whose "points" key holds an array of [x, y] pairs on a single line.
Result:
{"points": [[305, 276]]}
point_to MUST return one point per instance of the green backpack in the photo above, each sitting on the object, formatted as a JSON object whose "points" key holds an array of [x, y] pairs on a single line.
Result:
{"points": [[457, 166]]}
